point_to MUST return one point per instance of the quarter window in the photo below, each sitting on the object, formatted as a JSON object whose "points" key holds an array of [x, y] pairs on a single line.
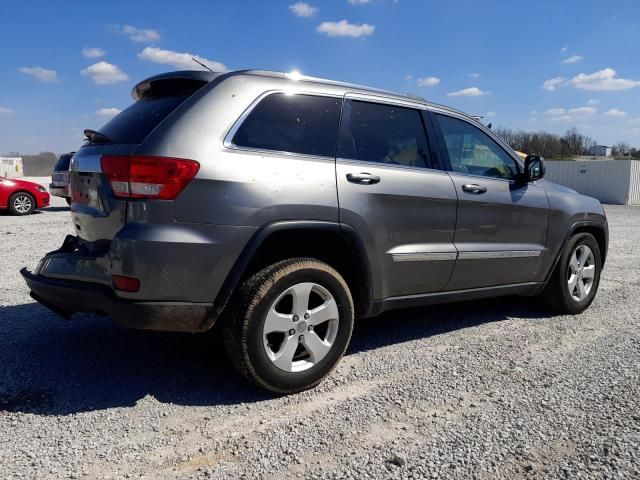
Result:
{"points": [[375, 132], [303, 124], [472, 151]]}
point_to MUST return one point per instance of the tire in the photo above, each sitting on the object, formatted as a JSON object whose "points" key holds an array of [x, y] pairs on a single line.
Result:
{"points": [[22, 203], [255, 325], [559, 294]]}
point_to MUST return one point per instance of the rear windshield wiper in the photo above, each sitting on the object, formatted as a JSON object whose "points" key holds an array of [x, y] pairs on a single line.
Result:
{"points": [[96, 137]]}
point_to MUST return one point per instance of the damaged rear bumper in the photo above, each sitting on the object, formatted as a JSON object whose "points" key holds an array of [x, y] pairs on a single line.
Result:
{"points": [[67, 282]]}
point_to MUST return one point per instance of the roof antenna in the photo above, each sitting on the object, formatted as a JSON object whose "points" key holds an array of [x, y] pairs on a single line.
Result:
{"points": [[201, 64]]}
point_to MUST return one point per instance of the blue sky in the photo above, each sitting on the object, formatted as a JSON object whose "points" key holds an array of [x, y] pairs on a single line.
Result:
{"points": [[538, 65]]}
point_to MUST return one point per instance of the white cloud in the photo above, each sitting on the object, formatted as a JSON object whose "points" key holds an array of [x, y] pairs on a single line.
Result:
{"points": [[553, 83], [468, 92], [141, 35], [602, 80], [303, 9], [564, 49], [179, 60], [491, 114], [345, 29], [89, 52], [42, 74], [582, 111], [571, 114], [573, 59], [359, 2], [5, 110], [614, 112], [428, 81], [593, 101], [555, 112], [474, 75], [108, 112], [104, 73]]}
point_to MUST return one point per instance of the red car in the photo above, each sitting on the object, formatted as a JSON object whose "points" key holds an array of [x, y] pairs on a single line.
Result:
{"points": [[22, 197]]}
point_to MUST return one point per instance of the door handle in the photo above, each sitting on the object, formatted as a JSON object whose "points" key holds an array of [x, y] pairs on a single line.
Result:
{"points": [[363, 178], [474, 188]]}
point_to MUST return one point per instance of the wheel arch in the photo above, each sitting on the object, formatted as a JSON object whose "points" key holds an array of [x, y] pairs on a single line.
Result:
{"points": [[338, 245], [598, 230]]}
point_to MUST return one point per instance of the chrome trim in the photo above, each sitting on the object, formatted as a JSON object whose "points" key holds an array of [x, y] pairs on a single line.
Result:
{"points": [[354, 161], [423, 256], [499, 254], [85, 163], [404, 254], [228, 138], [396, 102], [475, 175]]}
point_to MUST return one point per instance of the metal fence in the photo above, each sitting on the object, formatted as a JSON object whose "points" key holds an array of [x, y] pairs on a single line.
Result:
{"points": [[610, 181]]}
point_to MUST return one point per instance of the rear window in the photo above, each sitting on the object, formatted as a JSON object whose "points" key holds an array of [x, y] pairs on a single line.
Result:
{"points": [[305, 124], [63, 162], [134, 123]]}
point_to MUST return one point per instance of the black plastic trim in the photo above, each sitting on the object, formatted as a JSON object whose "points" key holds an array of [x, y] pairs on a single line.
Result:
{"points": [[411, 301], [239, 268], [570, 233], [66, 297]]}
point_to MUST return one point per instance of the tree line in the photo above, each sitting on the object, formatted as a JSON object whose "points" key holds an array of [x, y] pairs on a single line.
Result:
{"points": [[550, 145]]}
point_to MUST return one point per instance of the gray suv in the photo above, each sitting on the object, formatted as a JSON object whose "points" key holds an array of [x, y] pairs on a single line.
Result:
{"points": [[284, 207]]}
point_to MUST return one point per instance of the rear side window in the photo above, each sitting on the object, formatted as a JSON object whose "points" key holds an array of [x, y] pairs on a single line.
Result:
{"points": [[134, 123], [375, 132], [305, 124]]}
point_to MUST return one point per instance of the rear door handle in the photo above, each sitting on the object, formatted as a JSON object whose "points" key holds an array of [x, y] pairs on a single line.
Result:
{"points": [[363, 178], [474, 188]]}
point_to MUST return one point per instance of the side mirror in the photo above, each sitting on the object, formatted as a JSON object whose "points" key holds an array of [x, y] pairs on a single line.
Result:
{"points": [[534, 168]]}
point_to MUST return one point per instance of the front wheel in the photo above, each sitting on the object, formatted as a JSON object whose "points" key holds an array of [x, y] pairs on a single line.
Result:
{"points": [[289, 325], [22, 203], [574, 282]]}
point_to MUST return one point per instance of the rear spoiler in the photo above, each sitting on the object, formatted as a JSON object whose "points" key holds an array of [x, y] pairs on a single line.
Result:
{"points": [[172, 83]]}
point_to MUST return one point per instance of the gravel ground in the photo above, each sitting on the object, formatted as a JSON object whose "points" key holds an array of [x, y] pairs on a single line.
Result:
{"points": [[493, 389]]}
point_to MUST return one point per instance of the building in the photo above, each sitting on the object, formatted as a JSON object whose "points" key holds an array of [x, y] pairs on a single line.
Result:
{"points": [[11, 166], [610, 181], [600, 151]]}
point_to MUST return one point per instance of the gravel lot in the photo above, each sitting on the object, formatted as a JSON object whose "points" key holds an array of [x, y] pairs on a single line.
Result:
{"points": [[493, 389]]}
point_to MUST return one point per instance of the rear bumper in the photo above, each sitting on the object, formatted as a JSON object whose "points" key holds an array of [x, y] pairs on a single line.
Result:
{"points": [[59, 191], [66, 297]]}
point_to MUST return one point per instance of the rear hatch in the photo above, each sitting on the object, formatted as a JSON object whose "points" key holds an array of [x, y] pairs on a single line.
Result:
{"points": [[105, 174], [60, 175]]}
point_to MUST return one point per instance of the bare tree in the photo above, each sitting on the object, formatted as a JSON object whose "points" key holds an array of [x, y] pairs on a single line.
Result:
{"points": [[620, 149], [547, 144]]}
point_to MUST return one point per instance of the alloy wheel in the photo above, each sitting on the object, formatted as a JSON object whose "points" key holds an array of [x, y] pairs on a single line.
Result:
{"points": [[22, 204], [300, 327], [581, 272]]}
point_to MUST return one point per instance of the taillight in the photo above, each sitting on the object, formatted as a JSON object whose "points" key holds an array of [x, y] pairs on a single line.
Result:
{"points": [[135, 176], [126, 284]]}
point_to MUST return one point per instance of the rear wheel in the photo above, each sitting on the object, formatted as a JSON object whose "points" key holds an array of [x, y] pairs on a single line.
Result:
{"points": [[575, 280], [289, 325], [22, 203]]}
